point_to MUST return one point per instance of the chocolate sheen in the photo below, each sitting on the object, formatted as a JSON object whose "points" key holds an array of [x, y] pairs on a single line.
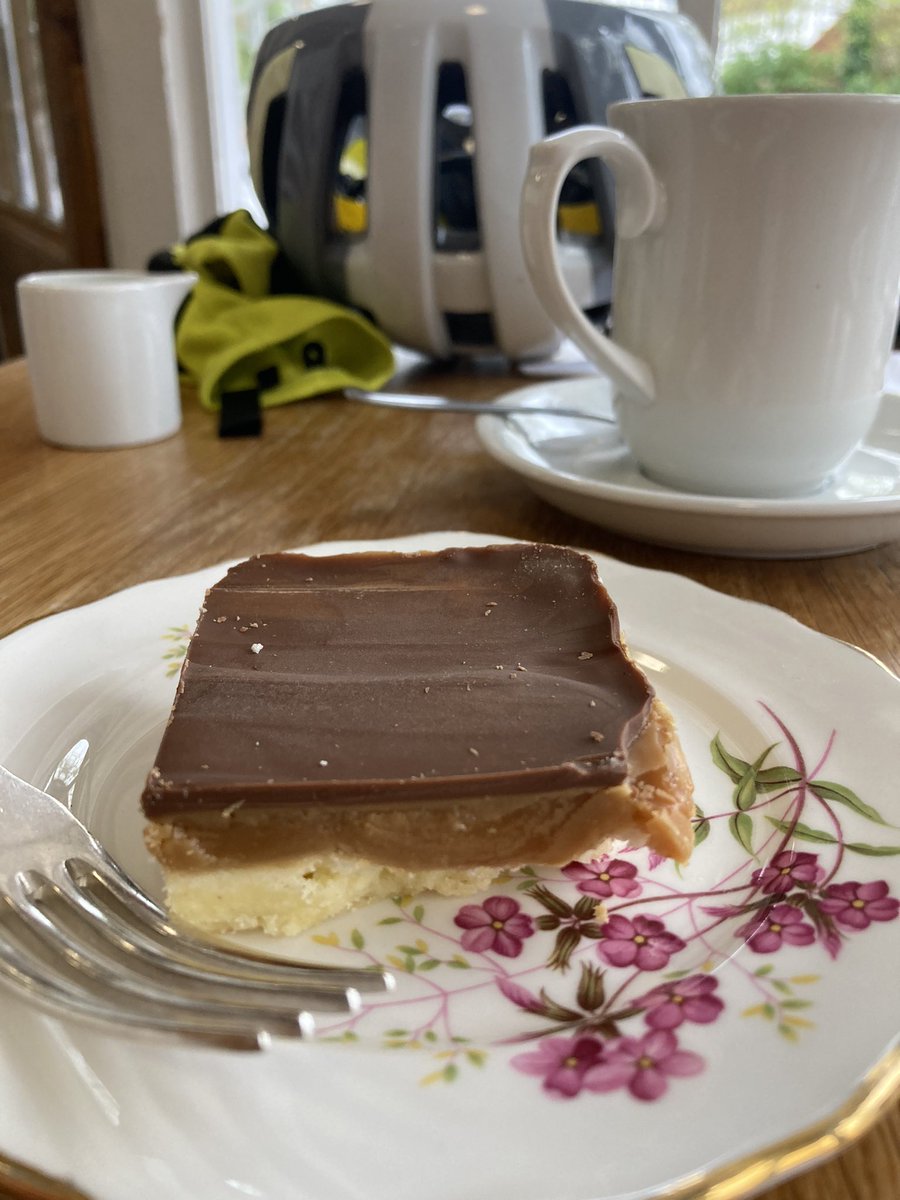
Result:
{"points": [[372, 677]]}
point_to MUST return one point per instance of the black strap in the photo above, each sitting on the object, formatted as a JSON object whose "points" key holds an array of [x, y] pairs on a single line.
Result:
{"points": [[240, 413]]}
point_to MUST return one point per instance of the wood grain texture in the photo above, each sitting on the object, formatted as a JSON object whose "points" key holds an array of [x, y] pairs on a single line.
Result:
{"points": [[78, 525]]}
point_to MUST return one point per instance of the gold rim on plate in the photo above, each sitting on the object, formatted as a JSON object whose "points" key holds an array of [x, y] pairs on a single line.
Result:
{"points": [[734, 1181]]}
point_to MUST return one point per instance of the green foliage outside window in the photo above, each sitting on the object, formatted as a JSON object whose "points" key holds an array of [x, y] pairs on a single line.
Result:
{"points": [[866, 58]]}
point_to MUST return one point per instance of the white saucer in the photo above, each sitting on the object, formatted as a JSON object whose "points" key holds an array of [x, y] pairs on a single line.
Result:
{"points": [[585, 469]]}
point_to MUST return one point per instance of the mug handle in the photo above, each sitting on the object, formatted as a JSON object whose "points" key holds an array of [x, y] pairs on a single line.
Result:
{"points": [[640, 205]]}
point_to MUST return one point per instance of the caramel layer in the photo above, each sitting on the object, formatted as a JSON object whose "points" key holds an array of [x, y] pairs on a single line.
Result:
{"points": [[654, 806]]}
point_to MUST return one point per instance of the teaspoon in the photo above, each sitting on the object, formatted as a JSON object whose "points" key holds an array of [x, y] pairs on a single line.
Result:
{"points": [[497, 408]]}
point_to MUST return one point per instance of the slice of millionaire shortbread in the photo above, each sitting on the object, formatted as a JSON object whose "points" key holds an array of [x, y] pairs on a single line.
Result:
{"points": [[352, 727]]}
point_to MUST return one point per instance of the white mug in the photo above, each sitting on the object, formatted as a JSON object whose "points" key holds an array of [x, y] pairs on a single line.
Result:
{"points": [[755, 284], [101, 355]]}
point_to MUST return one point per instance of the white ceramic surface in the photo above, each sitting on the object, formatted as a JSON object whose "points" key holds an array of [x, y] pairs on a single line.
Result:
{"points": [[588, 471], [755, 282], [423, 1095], [101, 355]]}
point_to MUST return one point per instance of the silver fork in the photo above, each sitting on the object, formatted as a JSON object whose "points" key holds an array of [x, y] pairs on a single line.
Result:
{"points": [[79, 939]]}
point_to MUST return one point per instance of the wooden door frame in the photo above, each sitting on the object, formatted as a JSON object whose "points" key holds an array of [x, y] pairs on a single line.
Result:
{"points": [[71, 120], [30, 239], [147, 78]]}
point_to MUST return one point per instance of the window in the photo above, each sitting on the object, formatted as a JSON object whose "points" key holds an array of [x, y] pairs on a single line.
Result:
{"points": [[810, 46]]}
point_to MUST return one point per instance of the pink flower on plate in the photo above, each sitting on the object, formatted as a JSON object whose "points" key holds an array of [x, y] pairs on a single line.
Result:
{"points": [[857, 905], [644, 943], [562, 1061], [690, 999], [643, 1065], [497, 924], [787, 870], [779, 923], [604, 877]]}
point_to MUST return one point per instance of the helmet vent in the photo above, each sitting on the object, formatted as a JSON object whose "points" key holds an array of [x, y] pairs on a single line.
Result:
{"points": [[470, 330], [580, 203], [455, 204], [559, 104], [349, 211], [271, 156]]}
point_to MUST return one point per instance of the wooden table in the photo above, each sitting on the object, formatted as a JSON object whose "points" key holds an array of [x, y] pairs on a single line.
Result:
{"points": [[79, 525]]}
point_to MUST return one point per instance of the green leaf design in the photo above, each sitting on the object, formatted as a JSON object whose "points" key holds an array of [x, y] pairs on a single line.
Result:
{"points": [[741, 826], [552, 903], [872, 851], [803, 833], [591, 929], [391, 921], [773, 778], [396, 1033], [411, 950], [765, 970], [701, 832], [745, 792], [584, 907], [734, 768], [794, 1004], [357, 939], [590, 994], [566, 942], [450, 1072], [836, 793], [702, 828], [557, 1012], [546, 922], [418, 913], [476, 1057]]}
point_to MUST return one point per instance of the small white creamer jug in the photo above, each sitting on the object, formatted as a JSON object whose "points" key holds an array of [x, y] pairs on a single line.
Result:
{"points": [[101, 355]]}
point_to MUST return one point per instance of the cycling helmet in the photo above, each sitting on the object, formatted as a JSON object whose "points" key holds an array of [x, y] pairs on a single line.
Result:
{"points": [[389, 140]]}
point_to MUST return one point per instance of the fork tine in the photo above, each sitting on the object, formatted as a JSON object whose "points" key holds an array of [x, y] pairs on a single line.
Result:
{"points": [[29, 946], [70, 921], [21, 980], [60, 996], [63, 928], [148, 926]]}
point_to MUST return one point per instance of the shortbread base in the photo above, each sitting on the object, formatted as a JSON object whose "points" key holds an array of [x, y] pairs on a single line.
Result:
{"points": [[283, 899]]}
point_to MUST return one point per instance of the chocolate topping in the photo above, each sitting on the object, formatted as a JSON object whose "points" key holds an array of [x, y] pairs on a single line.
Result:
{"points": [[358, 679]]}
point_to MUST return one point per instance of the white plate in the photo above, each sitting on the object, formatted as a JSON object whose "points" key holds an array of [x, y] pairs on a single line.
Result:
{"points": [[584, 468], [771, 1039]]}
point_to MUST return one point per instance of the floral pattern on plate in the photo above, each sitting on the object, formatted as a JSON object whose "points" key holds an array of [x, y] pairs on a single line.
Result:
{"points": [[636, 959]]}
